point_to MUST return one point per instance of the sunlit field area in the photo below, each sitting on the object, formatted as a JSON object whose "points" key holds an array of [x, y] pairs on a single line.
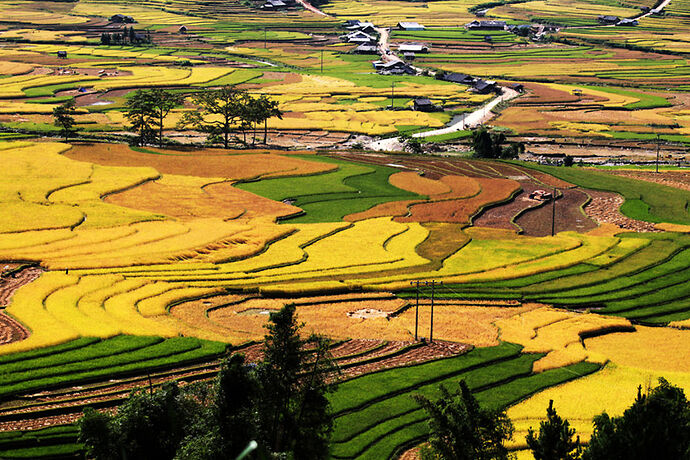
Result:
{"points": [[129, 261]]}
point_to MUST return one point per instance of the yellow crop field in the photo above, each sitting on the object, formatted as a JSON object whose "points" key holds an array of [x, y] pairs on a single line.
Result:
{"points": [[612, 389]]}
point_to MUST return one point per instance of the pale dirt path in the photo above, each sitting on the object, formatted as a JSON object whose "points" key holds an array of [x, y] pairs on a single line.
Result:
{"points": [[470, 120], [473, 119], [312, 8]]}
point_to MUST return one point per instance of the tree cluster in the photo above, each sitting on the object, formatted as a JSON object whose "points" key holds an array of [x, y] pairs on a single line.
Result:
{"points": [[278, 406], [128, 36], [223, 110], [220, 113], [488, 144], [657, 425]]}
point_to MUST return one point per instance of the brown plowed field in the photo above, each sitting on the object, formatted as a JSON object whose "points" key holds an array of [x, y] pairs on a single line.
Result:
{"points": [[568, 212]]}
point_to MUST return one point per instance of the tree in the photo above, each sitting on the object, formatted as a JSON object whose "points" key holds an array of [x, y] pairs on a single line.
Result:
{"points": [[487, 144], [657, 425], [461, 430], [555, 440], [146, 110], [295, 414], [280, 403], [64, 118], [266, 108], [148, 425], [219, 111]]}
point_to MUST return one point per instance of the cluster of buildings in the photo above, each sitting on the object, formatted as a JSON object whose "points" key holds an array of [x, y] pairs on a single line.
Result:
{"points": [[616, 21]]}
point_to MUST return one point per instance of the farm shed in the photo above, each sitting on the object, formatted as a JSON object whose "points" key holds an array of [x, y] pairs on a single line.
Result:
{"points": [[627, 22], [461, 78], [486, 25], [413, 48], [423, 104], [606, 19], [410, 26], [182, 29], [62, 54]]}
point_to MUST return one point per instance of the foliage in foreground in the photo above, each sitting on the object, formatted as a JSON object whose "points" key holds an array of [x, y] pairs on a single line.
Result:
{"points": [[279, 402], [555, 439], [657, 425], [462, 430]]}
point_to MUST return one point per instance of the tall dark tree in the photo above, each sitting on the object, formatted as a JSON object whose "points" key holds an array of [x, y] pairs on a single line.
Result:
{"points": [[555, 439], [657, 425], [461, 430], [64, 118], [146, 110], [296, 415]]}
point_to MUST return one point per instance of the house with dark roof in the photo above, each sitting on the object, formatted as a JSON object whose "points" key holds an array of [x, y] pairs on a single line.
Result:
{"points": [[606, 19], [485, 87], [486, 25], [122, 19], [410, 26], [394, 68], [62, 54], [461, 78], [351, 23], [423, 104]]}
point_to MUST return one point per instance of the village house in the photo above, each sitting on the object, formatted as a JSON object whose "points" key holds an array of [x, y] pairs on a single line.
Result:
{"points": [[627, 22], [423, 104], [409, 26], [366, 49], [393, 68], [413, 48], [350, 23], [360, 37], [361, 26], [461, 78], [486, 25], [182, 30], [122, 19], [485, 87], [274, 5], [606, 19], [62, 54]]}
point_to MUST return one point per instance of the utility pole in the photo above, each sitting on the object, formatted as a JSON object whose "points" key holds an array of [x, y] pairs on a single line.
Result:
{"points": [[431, 326], [321, 61], [553, 213], [265, 38], [392, 94], [416, 310], [658, 141]]}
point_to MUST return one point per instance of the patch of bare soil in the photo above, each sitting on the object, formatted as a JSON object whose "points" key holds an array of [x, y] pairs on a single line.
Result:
{"points": [[568, 215], [605, 208], [14, 276], [676, 179]]}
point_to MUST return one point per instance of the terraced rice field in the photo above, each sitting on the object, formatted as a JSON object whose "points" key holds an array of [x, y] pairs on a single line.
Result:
{"points": [[123, 268]]}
